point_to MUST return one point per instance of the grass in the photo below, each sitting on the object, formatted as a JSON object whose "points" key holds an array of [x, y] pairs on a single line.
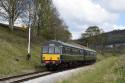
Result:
{"points": [[118, 70], [109, 70], [13, 51]]}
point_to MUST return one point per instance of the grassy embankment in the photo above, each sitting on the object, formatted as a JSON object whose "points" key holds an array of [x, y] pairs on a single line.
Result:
{"points": [[109, 70], [13, 51]]}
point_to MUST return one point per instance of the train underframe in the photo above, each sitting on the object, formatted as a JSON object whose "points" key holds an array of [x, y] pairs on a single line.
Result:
{"points": [[55, 65]]}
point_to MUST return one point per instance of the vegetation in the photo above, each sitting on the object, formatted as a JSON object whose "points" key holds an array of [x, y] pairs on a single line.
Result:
{"points": [[40, 15], [109, 70], [90, 37], [52, 27], [10, 10], [105, 42], [13, 51], [109, 38], [91, 31]]}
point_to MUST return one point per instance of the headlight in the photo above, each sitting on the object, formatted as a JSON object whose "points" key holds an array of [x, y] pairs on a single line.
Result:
{"points": [[58, 58], [43, 57]]}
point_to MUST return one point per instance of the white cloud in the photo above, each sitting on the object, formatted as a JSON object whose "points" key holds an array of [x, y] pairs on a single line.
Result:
{"points": [[83, 11], [79, 14], [76, 32], [109, 27], [114, 5]]}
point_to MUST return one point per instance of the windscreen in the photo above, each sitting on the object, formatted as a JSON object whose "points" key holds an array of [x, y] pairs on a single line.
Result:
{"points": [[57, 50], [51, 50]]}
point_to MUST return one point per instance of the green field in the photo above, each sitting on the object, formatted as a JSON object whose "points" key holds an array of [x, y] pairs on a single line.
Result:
{"points": [[109, 70], [13, 51]]}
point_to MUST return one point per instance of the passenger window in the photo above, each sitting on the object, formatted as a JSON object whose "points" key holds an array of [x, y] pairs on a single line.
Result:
{"points": [[67, 51], [81, 52], [71, 51], [63, 50], [74, 51]]}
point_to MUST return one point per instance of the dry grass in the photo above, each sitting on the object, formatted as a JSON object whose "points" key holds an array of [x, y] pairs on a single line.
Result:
{"points": [[109, 70]]}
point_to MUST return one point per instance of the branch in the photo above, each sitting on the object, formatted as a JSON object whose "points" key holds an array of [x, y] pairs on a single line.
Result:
{"points": [[4, 5]]}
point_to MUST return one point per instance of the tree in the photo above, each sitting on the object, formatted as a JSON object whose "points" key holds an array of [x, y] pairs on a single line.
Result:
{"points": [[40, 16], [92, 31], [90, 36], [11, 10], [49, 23], [62, 33], [45, 21]]}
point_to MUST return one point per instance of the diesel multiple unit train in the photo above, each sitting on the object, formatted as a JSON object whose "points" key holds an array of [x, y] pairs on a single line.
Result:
{"points": [[56, 53]]}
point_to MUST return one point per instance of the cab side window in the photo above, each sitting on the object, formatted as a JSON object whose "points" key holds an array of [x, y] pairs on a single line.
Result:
{"points": [[45, 49]]}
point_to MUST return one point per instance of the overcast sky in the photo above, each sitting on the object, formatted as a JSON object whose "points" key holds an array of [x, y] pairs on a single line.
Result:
{"points": [[79, 14]]}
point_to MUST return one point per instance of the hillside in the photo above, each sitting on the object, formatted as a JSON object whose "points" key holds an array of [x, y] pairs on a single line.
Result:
{"points": [[116, 36], [113, 37], [13, 51]]}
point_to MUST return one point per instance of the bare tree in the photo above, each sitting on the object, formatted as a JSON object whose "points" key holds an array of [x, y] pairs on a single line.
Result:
{"points": [[11, 10]]}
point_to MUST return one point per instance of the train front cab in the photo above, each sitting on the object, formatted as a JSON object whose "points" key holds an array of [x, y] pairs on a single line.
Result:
{"points": [[51, 55]]}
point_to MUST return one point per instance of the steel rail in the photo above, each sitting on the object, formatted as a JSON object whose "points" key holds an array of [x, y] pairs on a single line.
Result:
{"points": [[24, 77]]}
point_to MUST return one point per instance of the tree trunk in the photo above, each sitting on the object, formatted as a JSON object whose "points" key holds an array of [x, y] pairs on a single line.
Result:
{"points": [[38, 30], [11, 24]]}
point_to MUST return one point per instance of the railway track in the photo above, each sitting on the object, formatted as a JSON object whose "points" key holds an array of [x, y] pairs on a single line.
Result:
{"points": [[24, 77], [30, 76]]}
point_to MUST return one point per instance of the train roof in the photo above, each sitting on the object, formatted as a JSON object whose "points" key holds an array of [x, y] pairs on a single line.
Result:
{"points": [[74, 45]]}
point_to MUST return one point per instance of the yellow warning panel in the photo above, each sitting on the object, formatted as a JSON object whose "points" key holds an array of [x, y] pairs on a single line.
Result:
{"points": [[51, 57]]}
